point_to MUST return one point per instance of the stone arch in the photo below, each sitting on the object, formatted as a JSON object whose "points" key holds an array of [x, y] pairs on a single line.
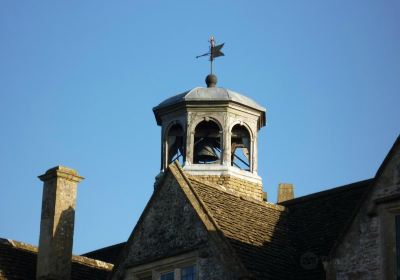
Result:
{"points": [[172, 123], [200, 119], [174, 142], [245, 124], [207, 141], [241, 146]]}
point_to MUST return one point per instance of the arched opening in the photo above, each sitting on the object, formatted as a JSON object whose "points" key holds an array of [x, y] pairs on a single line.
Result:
{"points": [[240, 147], [175, 144], [207, 143]]}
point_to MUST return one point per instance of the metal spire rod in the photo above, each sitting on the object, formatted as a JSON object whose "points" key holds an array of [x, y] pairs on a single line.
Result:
{"points": [[212, 46], [215, 51]]}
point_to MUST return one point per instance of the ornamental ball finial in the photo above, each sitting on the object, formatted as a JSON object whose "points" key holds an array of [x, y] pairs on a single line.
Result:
{"points": [[211, 80]]}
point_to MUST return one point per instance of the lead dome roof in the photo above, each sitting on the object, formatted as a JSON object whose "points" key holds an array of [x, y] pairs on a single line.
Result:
{"points": [[210, 94]]}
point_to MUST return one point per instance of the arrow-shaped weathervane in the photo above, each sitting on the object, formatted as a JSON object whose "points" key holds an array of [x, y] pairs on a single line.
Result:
{"points": [[215, 51]]}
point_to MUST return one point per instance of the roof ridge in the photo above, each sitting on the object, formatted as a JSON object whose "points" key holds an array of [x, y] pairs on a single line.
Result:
{"points": [[104, 248], [248, 199], [77, 259], [92, 262], [358, 184], [19, 245], [220, 233], [186, 178]]}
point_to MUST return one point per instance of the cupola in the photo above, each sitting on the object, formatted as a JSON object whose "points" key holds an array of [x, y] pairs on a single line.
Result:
{"points": [[212, 132]]}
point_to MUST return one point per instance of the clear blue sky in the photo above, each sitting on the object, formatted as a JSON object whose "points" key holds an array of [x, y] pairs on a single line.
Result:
{"points": [[78, 80]]}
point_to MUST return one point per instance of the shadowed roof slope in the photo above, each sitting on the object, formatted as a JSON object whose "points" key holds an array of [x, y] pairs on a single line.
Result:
{"points": [[270, 241], [107, 254], [317, 221], [18, 261], [257, 231]]}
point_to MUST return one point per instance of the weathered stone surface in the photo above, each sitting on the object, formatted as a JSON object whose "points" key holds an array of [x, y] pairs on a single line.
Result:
{"points": [[315, 223], [257, 231], [235, 185], [170, 227], [367, 249], [57, 223], [285, 192], [226, 111]]}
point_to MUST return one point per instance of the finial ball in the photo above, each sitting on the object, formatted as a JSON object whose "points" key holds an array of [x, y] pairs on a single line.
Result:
{"points": [[211, 80]]}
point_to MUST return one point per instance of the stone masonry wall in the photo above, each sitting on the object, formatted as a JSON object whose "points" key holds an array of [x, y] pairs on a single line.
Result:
{"points": [[359, 256], [366, 252], [235, 185], [169, 228]]}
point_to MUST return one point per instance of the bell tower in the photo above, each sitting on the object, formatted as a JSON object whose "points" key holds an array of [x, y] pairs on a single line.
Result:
{"points": [[212, 132]]}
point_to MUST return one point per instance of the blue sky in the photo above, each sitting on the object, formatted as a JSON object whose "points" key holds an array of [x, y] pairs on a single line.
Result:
{"points": [[78, 80]]}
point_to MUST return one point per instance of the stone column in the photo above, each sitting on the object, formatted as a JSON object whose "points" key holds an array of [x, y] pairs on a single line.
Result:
{"points": [[254, 155], [189, 140], [57, 223], [226, 149]]}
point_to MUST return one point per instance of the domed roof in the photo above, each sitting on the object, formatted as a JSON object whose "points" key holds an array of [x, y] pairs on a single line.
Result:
{"points": [[211, 94]]}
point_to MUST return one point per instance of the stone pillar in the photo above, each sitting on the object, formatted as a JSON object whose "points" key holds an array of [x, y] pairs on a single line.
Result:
{"points": [[57, 223], [189, 146], [285, 192], [253, 155], [226, 148]]}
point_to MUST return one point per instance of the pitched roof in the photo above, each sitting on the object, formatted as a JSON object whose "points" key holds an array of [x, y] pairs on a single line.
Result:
{"points": [[386, 162], [107, 254], [257, 231], [317, 221], [270, 240], [18, 261]]}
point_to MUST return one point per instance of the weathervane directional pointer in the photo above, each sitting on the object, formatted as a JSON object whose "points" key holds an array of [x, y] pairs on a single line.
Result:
{"points": [[215, 51]]}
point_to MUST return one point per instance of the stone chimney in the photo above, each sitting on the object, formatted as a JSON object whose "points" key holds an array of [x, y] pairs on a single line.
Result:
{"points": [[265, 196], [285, 192], [57, 223]]}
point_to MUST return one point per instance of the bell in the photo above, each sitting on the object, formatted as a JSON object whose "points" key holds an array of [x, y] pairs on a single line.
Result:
{"points": [[205, 153]]}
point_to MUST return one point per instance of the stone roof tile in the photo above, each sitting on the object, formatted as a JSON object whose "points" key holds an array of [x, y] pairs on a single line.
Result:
{"points": [[280, 241], [257, 231], [18, 261], [316, 221]]}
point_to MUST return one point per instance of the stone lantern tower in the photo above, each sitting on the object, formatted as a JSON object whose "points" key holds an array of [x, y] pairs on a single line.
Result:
{"points": [[213, 132]]}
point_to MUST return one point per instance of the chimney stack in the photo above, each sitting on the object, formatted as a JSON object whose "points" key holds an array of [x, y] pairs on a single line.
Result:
{"points": [[265, 196], [285, 192], [57, 223]]}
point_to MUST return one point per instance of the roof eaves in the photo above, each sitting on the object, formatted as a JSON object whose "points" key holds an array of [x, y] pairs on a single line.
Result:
{"points": [[92, 263]]}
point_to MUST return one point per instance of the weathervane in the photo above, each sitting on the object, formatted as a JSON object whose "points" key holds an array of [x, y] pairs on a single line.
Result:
{"points": [[214, 52]]}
